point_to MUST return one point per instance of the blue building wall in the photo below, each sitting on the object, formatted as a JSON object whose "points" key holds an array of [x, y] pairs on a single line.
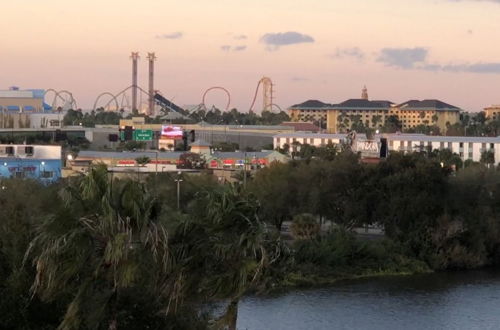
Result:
{"points": [[44, 170]]}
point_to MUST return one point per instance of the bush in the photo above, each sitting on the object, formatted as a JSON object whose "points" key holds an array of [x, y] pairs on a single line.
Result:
{"points": [[304, 226], [341, 252]]}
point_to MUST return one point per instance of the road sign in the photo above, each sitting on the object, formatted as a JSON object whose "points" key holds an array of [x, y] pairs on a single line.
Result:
{"points": [[143, 135]]}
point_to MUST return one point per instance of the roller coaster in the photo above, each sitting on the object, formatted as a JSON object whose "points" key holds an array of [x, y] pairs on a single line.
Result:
{"points": [[120, 101], [65, 98], [267, 97]]}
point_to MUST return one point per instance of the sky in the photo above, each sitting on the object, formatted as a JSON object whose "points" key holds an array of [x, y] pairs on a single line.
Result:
{"points": [[311, 49]]}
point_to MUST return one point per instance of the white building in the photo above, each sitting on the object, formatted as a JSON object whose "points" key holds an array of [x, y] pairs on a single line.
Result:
{"points": [[467, 147]]}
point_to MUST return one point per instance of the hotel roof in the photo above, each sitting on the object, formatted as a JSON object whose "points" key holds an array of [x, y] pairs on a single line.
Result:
{"points": [[426, 105]]}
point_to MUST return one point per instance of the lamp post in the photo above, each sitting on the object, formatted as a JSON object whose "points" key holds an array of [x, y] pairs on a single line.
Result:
{"points": [[178, 181], [245, 170], [41, 169]]}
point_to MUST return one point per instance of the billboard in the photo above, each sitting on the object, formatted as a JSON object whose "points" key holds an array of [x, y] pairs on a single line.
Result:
{"points": [[171, 132], [367, 148]]}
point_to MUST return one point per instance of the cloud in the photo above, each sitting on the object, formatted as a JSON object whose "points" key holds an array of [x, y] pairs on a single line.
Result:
{"points": [[404, 58], [354, 52], [240, 37], [491, 67], [416, 58], [175, 35], [228, 48], [276, 40], [496, 1], [299, 79]]}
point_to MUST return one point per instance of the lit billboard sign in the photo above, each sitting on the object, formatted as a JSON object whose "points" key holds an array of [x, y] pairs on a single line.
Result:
{"points": [[368, 148], [171, 132]]}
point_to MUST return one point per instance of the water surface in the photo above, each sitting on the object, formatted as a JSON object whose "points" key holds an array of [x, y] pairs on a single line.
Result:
{"points": [[459, 300]]}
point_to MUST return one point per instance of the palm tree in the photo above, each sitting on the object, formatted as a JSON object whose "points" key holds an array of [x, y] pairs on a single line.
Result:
{"points": [[106, 241], [238, 247], [113, 248]]}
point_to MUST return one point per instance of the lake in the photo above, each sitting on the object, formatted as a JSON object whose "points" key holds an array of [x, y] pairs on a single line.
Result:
{"points": [[454, 300]]}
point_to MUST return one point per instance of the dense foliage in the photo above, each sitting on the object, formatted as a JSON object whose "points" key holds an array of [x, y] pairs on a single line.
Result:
{"points": [[447, 219], [213, 116], [106, 253], [96, 253]]}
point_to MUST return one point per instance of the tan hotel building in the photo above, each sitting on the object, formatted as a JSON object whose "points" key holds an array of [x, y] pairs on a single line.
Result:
{"points": [[492, 112], [340, 117]]}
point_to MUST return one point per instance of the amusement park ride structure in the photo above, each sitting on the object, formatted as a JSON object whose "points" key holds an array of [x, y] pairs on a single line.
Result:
{"points": [[267, 96], [120, 100]]}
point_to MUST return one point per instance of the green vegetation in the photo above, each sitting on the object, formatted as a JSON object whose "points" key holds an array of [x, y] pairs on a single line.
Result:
{"points": [[443, 218], [234, 117], [90, 119], [213, 116], [105, 253], [97, 253]]}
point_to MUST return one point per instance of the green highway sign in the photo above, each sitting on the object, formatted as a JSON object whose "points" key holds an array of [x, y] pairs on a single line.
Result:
{"points": [[143, 135]]}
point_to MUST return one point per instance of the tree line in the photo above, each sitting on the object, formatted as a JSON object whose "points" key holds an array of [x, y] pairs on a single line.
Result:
{"points": [[213, 116]]}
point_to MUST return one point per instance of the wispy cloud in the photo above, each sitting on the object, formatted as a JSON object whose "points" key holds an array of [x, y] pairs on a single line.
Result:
{"points": [[496, 1], [174, 35], [404, 58], [228, 48], [240, 37], [489, 67], [416, 58], [275, 40], [354, 52], [299, 79]]}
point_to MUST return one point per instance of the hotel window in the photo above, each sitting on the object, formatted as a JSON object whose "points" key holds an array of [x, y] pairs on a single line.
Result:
{"points": [[492, 146], [470, 154], [461, 144], [441, 145], [449, 145], [470, 145]]}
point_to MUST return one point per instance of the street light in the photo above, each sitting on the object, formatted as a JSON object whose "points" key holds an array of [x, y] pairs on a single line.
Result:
{"points": [[178, 181], [42, 169]]}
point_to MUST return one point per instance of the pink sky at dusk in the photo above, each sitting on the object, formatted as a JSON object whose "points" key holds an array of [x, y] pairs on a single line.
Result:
{"points": [[399, 49]]}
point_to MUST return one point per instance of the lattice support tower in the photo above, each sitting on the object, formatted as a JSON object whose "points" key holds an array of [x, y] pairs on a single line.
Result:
{"points": [[268, 91], [135, 59], [151, 89]]}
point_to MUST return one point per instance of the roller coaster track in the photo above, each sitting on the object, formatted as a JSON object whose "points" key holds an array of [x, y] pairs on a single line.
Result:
{"points": [[219, 88]]}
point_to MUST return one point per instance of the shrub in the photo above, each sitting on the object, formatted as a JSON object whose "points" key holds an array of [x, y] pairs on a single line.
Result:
{"points": [[304, 226]]}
